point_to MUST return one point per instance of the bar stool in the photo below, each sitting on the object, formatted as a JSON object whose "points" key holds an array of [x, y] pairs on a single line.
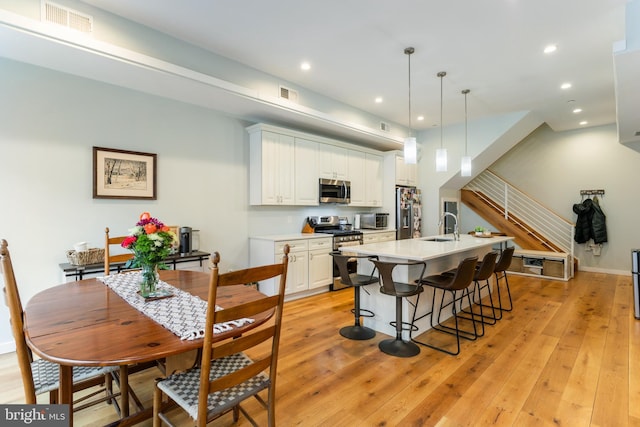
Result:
{"points": [[500, 272], [458, 285], [357, 331], [397, 346], [483, 273]]}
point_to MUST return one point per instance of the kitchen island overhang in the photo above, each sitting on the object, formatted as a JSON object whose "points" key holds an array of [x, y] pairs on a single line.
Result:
{"points": [[441, 253]]}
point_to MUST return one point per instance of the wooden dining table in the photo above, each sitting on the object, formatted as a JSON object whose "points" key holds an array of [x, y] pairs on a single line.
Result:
{"points": [[85, 323]]}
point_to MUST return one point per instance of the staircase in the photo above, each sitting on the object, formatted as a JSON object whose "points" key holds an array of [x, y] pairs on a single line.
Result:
{"points": [[511, 211]]}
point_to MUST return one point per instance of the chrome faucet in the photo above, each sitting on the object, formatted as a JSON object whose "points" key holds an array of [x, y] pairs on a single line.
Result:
{"points": [[456, 234]]}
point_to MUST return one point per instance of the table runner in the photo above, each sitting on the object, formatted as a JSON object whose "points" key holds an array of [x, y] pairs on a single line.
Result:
{"points": [[183, 314]]}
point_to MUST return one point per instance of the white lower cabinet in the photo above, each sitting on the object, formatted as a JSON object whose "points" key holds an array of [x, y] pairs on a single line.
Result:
{"points": [[310, 263], [320, 263], [371, 236]]}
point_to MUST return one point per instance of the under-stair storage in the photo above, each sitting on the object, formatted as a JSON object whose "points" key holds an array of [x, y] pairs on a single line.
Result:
{"points": [[552, 265]]}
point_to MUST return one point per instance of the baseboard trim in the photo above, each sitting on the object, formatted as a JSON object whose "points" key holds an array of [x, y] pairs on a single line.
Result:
{"points": [[604, 270]]}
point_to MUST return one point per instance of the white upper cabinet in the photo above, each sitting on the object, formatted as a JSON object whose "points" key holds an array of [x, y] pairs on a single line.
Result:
{"points": [[373, 180], [333, 162], [271, 172], [356, 164], [285, 166], [406, 174], [306, 172], [365, 174]]}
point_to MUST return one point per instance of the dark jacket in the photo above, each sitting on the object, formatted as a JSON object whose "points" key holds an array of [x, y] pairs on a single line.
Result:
{"points": [[591, 222]]}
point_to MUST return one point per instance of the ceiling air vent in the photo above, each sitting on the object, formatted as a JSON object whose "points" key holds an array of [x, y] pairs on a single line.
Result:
{"points": [[60, 15], [638, 133], [385, 127], [289, 94]]}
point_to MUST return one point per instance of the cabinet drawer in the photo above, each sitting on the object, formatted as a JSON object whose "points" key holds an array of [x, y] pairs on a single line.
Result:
{"points": [[321, 244], [294, 246]]}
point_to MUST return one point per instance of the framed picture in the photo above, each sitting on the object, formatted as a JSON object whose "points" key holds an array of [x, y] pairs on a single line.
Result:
{"points": [[121, 174]]}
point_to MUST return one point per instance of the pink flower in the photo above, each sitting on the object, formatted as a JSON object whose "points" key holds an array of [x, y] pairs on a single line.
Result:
{"points": [[127, 242]]}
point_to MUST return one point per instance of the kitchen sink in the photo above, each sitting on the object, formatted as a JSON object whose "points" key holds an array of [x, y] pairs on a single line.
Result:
{"points": [[438, 239]]}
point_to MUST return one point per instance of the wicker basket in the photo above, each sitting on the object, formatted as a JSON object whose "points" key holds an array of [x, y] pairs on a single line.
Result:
{"points": [[516, 265], [90, 256], [553, 268]]}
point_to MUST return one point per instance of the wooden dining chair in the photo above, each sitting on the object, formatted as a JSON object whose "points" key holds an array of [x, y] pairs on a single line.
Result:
{"points": [[119, 257], [226, 376], [41, 376]]}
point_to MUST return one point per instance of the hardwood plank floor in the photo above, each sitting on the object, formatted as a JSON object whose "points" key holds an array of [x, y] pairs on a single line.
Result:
{"points": [[568, 355]]}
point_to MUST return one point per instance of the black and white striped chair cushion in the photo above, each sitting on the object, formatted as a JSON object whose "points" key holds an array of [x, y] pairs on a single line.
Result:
{"points": [[46, 374], [182, 388]]}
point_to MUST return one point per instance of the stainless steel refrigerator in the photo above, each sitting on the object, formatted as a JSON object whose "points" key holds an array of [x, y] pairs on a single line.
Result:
{"points": [[408, 213]]}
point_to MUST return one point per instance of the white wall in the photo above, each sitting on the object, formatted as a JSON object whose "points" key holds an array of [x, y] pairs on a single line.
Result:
{"points": [[48, 125], [552, 167]]}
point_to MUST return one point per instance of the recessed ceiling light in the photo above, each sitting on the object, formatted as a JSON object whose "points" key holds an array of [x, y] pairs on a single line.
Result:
{"points": [[577, 110], [550, 48], [305, 66], [584, 122], [565, 86], [420, 118], [378, 99]]}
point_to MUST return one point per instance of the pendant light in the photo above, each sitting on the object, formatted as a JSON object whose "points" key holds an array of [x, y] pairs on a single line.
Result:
{"points": [[441, 153], [465, 166], [410, 148]]}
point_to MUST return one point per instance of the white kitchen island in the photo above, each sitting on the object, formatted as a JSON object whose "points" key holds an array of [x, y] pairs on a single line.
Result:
{"points": [[441, 254]]}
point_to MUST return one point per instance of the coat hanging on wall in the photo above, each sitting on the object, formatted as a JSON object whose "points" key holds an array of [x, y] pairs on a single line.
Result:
{"points": [[591, 222]]}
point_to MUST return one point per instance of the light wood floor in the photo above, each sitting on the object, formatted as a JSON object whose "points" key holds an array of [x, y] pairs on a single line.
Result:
{"points": [[566, 356]]}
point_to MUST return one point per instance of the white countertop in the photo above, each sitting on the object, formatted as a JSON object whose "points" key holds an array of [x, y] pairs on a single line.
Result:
{"points": [[293, 236], [421, 249]]}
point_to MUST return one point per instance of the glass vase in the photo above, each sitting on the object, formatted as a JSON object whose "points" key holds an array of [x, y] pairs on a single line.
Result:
{"points": [[149, 278]]}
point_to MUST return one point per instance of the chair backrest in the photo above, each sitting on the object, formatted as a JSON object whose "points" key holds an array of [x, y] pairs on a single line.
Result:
{"points": [[16, 316], [505, 259], [385, 271], [108, 258], [464, 274], [487, 266], [342, 262], [267, 360]]}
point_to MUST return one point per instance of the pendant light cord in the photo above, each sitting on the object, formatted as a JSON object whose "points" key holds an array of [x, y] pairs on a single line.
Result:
{"points": [[441, 74], [465, 92], [408, 51]]}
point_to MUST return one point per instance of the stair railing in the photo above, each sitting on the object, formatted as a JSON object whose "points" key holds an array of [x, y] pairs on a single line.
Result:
{"points": [[518, 206]]}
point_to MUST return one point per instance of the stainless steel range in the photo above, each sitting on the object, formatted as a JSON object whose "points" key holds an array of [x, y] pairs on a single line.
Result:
{"points": [[343, 235]]}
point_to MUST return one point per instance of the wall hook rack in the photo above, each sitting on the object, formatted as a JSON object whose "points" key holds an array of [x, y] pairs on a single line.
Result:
{"points": [[592, 192]]}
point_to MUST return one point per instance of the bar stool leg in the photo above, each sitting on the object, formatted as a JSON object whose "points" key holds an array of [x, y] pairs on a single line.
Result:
{"points": [[396, 346], [357, 331]]}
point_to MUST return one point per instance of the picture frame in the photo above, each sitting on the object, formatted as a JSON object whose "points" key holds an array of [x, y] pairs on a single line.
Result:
{"points": [[123, 174]]}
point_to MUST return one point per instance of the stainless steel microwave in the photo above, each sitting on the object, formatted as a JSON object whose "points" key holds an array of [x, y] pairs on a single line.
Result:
{"points": [[335, 191], [374, 221]]}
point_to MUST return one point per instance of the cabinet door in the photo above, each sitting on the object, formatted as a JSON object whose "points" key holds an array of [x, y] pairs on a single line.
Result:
{"points": [[306, 172], [405, 174], [369, 238], [387, 236], [333, 162], [356, 166], [277, 169], [297, 272], [286, 169], [373, 180], [320, 268]]}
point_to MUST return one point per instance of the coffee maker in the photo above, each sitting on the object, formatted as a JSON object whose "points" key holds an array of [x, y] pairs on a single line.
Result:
{"points": [[186, 240]]}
